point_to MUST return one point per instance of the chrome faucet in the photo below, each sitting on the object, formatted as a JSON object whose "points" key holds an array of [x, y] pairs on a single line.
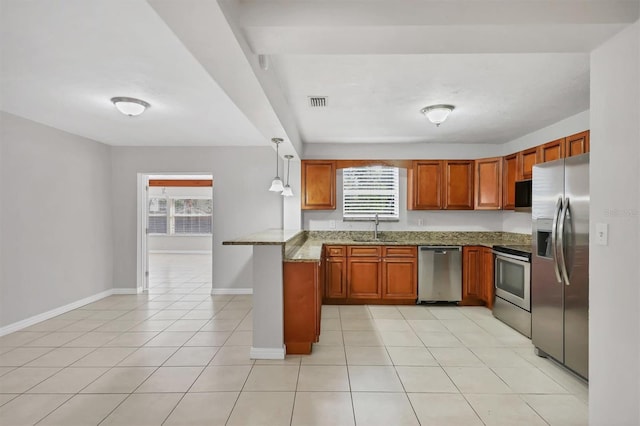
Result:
{"points": [[375, 228]]}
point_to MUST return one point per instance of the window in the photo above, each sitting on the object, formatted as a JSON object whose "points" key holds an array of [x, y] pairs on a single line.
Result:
{"points": [[180, 216], [367, 191]]}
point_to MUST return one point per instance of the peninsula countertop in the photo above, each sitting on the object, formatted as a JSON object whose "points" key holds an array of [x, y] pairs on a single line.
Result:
{"points": [[267, 237]]}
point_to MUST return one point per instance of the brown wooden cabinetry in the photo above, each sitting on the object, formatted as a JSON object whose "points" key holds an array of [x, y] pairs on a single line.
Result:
{"points": [[550, 151], [370, 274], [509, 172], [424, 185], [577, 144], [302, 306], [488, 184], [458, 193], [363, 278], [440, 184], [477, 276], [318, 185], [526, 160]]}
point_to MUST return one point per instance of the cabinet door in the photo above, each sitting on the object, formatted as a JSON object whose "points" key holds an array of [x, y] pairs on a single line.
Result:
{"points": [[577, 144], [509, 171], [318, 185], [300, 281], [526, 160], [458, 192], [335, 278], [487, 274], [488, 184], [363, 278], [399, 278], [472, 282], [550, 151], [424, 185]]}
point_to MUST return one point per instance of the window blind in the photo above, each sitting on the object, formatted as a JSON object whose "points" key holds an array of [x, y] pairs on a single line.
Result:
{"points": [[367, 191]]}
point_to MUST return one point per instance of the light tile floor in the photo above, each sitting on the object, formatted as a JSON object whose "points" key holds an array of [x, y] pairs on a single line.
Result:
{"points": [[155, 359]]}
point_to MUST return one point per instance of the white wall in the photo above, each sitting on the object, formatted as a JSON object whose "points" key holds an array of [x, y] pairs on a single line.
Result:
{"points": [[56, 224], [242, 203], [614, 320], [180, 243]]}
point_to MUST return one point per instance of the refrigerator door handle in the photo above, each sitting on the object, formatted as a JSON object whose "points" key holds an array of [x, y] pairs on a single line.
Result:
{"points": [[563, 261], [554, 240]]}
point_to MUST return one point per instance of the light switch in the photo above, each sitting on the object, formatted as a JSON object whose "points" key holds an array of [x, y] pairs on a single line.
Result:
{"points": [[420, 222], [602, 233]]}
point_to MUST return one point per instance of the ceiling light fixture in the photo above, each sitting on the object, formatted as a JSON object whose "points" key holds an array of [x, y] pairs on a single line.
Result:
{"points": [[287, 192], [130, 106], [437, 113], [276, 184]]}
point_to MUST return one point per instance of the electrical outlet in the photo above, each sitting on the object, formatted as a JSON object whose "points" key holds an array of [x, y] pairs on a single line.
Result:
{"points": [[602, 234], [420, 222], [332, 224]]}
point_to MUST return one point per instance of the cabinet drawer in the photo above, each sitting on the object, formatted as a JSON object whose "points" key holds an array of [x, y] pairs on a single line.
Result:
{"points": [[336, 251], [400, 251], [364, 251]]}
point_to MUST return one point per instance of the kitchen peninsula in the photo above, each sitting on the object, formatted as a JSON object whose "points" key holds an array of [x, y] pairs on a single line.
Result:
{"points": [[275, 255]]}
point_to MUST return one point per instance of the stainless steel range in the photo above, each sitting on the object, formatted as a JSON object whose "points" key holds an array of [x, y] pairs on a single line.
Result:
{"points": [[513, 286]]}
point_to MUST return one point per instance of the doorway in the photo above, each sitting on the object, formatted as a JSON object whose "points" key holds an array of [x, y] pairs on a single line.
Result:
{"points": [[176, 233]]}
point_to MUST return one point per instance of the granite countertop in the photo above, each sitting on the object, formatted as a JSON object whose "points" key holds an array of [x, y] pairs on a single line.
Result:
{"points": [[268, 237], [310, 250]]}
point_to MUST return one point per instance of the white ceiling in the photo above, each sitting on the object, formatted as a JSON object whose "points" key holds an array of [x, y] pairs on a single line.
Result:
{"points": [[509, 67]]}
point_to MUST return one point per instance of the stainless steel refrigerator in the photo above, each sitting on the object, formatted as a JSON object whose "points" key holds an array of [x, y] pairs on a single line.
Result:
{"points": [[560, 262]]}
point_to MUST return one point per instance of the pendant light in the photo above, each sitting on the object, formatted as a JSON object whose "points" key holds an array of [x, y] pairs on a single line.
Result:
{"points": [[437, 113], [276, 184], [287, 192]]}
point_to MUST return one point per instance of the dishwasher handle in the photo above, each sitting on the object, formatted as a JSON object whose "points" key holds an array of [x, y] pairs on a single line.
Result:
{"points": [[440, 249]]}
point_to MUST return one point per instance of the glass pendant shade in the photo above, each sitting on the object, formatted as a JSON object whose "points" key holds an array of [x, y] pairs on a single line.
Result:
{"points": [[287, 192], [276, 185]]}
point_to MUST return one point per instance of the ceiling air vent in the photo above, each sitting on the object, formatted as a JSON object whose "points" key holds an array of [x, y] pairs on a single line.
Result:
{"points": [[317, 101]]}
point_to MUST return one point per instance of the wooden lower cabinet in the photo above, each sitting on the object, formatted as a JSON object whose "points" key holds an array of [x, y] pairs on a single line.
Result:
{"points": [[302, 305], [399, 278], [363, 278], [371, 275], [477, 276]]}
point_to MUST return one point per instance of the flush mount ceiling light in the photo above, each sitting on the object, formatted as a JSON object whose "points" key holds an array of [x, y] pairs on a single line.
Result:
{"points": [[287, 192], [130, 106], [276, 184], [437, 113]]}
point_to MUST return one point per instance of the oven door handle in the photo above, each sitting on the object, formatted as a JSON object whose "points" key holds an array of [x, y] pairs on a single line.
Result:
{"points": [[554, 240]]}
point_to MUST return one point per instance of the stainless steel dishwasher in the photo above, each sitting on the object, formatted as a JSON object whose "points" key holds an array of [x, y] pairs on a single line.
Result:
{"points": [[439, 274]]}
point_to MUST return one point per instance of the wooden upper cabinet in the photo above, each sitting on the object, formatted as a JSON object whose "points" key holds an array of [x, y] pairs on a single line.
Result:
{"points": [[526, 160], [509, 172], [318, 185], [550, 151], [488, 184], [458, 179], [577, 144], [424, 185]]}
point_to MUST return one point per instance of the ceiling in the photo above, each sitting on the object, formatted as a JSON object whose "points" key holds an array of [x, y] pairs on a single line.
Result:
{"points": [[509, 66]]}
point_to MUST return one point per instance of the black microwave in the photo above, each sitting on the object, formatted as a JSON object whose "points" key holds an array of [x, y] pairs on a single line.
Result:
{"points": [[523, 196]]}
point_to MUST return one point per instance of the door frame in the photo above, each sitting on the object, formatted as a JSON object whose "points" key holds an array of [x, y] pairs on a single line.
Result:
{"points": [[142, 244]]}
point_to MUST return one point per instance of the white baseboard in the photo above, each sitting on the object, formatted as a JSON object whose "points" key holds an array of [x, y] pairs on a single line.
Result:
{"points": [[180, 252], [231, 291], [127, 290], [267, 353], [28, 322]]}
